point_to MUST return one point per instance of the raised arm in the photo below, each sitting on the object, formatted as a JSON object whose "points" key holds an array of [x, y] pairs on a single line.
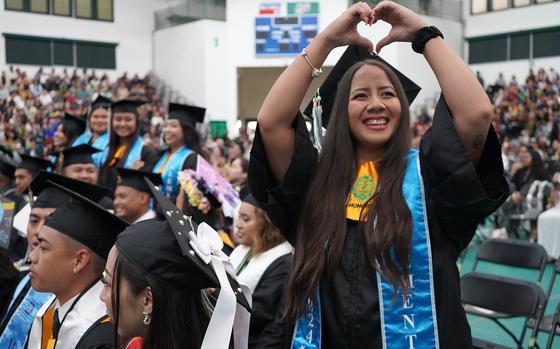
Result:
{"points": [[469, 104], [284, 98]]}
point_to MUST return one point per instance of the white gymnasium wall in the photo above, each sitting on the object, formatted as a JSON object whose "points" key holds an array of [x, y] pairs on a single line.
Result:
{"points": [[192, 59], [508, 21], [132, 30]]}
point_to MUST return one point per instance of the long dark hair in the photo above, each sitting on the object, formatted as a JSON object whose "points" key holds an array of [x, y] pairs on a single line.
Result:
{"points": [[191, 139], [71, 131], [179, 319], [114, 142], [322, 228]]}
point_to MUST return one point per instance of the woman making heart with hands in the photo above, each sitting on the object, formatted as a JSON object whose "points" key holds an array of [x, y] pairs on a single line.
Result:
{"points": [[377, 226]]}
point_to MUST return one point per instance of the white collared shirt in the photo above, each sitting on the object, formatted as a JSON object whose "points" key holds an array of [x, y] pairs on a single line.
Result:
{"points": [[148, 215]]}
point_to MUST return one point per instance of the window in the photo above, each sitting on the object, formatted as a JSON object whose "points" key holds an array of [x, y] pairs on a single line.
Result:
{"points": [[38, 6], [63, 52], [488, 50], [95, 9], [499, 4], [22, 49], [479, 6], [545, 43], [28, 50], [62, 7], [520, 46], [543, 1], [95, 55], [520, 3]]}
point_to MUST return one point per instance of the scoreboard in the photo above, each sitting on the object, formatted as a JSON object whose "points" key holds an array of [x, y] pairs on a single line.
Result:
{"points": [[277, 35]]}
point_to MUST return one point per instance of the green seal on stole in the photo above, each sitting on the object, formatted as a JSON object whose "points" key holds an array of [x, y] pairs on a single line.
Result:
{"points": [[363, 188]]}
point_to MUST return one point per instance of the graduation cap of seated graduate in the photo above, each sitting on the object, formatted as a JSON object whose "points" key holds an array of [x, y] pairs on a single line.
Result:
{"points": [[72, 122], [86, 222], [175, 261], [126, 106], [49, 196], [7, 166], [352, 55], [33, 164], [135, 179], [80, 154], [186, 114], [101, 102]]}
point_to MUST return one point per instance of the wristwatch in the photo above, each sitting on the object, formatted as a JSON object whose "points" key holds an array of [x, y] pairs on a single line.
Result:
{"points": [[423, 36]]}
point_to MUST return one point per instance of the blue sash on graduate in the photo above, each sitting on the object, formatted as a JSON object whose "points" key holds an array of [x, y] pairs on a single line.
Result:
{"points": [[134, 154], [170, 172], [412, 324], [82, 139], [16, 331]]}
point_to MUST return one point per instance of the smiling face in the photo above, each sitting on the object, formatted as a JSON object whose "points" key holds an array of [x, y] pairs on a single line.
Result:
{"points": [[172, 133], [124, 124], [98, 120], [374, 111]]}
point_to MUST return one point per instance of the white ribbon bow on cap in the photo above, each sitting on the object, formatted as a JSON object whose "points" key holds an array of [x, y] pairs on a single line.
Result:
{"points": [[208, 245]]}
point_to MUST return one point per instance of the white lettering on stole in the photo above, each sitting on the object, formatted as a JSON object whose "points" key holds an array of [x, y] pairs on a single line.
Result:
{"points": [[410, 338], [408, 317]]}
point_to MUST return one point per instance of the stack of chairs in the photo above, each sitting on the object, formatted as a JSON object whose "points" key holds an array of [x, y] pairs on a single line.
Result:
{"points": [[497, 297]]}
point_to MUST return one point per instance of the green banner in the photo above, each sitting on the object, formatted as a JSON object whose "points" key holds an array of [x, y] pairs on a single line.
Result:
{"points": [[303, 8]]}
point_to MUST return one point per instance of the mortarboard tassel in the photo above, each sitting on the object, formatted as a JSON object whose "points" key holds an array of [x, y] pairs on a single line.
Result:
{"points": [[317, 116]]}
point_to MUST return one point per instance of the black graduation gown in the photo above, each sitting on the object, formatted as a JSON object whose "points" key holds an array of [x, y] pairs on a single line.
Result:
{"points": [[108, 175], [267, 297], [458, 196]]}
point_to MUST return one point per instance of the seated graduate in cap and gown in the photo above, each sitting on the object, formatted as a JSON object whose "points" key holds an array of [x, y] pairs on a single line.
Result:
{"points": [[377, 226], [262, 261], [77, 163], [133, 196], [96, 133], [25, 301], [161, 268], [69, 129], [73, 245], [26, 169], [126, 148]]}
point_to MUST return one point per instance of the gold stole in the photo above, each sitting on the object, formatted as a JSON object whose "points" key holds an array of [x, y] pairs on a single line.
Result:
{"points": [[364, 187]]}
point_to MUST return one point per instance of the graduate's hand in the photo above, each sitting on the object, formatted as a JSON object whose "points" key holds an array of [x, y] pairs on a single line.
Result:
{"points": [[404, 23], [343, 30]]}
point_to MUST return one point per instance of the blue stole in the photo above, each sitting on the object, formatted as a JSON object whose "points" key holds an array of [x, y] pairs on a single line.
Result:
{"points": [[170, 173], [134, 154], [404, 325], [100, 143], [16, 331]]}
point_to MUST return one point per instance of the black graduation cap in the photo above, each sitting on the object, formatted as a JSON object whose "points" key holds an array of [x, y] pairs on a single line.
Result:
{"points": [[352, 55], [7, 166], [186, 114], [161, 249], [49, 196], [86, 222], [101, 102], [126, 106], [80, 154], [250, 199], [72, 122], [135, 179], [33, 164]]}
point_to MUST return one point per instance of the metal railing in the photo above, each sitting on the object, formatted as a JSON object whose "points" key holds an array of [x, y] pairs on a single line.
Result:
{"points": [[189, 11]]}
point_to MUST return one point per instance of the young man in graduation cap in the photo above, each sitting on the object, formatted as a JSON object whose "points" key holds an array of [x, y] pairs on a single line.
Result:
{"points": [[132, 195], [27, 169], [73, 245], [16, 321]]}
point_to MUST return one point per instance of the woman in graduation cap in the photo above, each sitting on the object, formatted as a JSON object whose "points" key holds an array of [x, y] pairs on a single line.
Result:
{"points": [[126, 148], [69, 129], [376, 226], [98, 122], [183, 143], [154, 281]]}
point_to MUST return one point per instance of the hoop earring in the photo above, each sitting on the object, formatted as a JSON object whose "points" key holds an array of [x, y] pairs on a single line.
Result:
{"points": [[147, 318]]}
